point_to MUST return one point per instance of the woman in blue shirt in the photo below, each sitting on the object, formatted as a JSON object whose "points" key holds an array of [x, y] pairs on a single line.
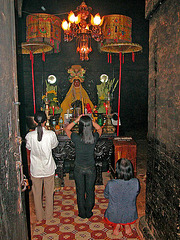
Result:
{"points": [[122, 193]]}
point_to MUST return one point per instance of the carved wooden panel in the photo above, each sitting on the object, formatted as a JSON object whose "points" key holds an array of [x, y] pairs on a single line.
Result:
{"points": [[64, 156]]}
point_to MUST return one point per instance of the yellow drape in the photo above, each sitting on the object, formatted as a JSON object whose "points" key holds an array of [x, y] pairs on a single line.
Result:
{"points": [[75, 93]]}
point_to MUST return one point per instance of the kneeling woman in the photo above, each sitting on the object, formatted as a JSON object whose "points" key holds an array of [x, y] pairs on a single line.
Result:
{"points": [[122, 193], [84, 170]]}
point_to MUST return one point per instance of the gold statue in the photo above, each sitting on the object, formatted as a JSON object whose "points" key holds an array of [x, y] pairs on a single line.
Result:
{"points": [[76, 91]]}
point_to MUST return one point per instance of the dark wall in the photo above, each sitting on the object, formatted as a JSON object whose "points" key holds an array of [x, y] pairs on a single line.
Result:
{"points": [[163, 166], [134, 75], [12, 210]]}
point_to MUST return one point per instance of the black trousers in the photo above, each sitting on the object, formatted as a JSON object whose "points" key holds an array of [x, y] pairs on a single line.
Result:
{"points": [[85, 186]]}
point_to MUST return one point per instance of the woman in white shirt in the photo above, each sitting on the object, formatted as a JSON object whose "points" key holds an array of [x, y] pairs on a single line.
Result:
{"points": [[42, 165]]}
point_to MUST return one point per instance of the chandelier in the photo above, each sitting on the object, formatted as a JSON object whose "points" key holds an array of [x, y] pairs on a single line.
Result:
{"points": [[83, 26]]}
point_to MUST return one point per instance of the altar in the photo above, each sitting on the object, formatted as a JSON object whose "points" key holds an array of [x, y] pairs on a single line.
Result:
{"points": [[64, 156]]}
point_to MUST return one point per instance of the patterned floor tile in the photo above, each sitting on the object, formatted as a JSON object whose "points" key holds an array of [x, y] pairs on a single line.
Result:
{"points": [[66, 225]]}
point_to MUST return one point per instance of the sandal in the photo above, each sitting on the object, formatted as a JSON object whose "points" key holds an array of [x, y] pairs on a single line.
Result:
{"points": [[130, 231], [117, 229]]}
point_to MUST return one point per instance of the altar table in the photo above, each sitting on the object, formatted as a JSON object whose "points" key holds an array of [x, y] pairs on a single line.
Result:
{"points": [[64, 156], [125, 149]]}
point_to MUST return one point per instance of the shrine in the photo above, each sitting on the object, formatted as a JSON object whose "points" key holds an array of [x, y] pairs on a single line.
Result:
{"points": [[95, 98], [115, 61]]}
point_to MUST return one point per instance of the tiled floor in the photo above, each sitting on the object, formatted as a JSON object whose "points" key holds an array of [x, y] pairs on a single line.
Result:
{"points": [[140, 138]]}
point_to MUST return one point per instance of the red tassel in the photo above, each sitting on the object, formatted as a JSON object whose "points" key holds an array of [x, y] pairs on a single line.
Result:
{"points": [[53, 42], [108, 57], [31, 57], [43, 57], [133, 57]]}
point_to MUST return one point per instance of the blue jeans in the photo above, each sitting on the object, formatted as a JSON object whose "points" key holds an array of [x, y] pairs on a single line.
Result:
{"points": [[85, 186]]}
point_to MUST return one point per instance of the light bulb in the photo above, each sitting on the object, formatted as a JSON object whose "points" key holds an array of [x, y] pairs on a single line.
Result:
{"points": [[87, 27], [97, 19], [65, 25], [78, 19], [71, 17]]}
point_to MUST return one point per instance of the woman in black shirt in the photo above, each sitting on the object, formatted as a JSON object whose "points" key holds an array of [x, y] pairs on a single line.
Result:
{"points": [[84, 170]]}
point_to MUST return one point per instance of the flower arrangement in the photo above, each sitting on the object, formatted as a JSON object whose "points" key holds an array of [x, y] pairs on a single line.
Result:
{"points": [[105, 91], [106, 88], [51, 98]]}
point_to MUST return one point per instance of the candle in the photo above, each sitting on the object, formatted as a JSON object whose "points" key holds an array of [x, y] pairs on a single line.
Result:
{"points": [[106, 110], [119, 155], [82, 107], [53, 110]]}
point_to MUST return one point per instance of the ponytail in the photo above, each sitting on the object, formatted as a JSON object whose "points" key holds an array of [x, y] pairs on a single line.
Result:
{"points": [[39, 132], [40, 117], [85, 130]]}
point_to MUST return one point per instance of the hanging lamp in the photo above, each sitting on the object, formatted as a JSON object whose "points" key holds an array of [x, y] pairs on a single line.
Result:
{"points": [[43, 34], [117, 39]]}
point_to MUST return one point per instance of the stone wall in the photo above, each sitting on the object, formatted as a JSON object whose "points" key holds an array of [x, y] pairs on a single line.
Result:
{"points": [[13, 221], [163, 166]]}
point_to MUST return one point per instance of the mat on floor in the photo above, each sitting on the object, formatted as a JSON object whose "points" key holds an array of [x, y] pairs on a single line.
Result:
{"points": [[66, 225]]}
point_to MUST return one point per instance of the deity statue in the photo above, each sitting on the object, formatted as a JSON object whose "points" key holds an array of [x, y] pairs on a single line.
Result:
{"points": [[76, 92]]}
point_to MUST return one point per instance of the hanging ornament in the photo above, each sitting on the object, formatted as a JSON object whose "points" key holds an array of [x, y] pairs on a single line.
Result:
{"points": [[117, 39], [32, 48], [45, 28]]}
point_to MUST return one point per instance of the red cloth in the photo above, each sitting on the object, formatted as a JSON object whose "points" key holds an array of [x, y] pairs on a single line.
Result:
{"points": [[114, 224]]}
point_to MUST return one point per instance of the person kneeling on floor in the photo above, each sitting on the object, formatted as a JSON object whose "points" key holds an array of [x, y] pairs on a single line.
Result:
{"points": [[122, 193]]}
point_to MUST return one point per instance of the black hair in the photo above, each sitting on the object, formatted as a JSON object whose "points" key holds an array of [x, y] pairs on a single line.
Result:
{"points": [[86, 130], [40, 117], [124, 169]]}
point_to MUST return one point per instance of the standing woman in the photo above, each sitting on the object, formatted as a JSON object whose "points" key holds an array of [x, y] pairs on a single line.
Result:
{"points": [[84, 170], [122, 193], [42, 166]]}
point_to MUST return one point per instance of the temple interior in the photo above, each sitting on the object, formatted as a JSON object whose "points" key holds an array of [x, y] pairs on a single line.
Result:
{"points": [[122, 72]]}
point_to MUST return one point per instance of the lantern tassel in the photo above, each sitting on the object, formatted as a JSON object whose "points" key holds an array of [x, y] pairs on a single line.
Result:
{"points": [[43, 57], [133, 57]]}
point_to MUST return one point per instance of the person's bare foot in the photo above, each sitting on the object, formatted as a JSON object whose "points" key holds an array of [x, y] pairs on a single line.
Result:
{"points": [[116, 230], [128, 230]]}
